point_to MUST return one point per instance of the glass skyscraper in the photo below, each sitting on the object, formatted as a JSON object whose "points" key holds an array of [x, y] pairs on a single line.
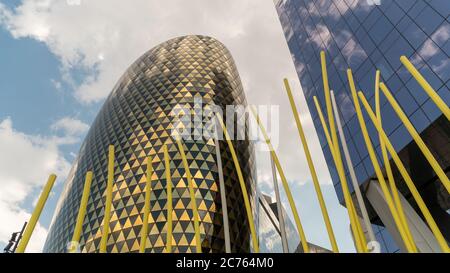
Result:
{"points": [[137, 119], [366, 35]]}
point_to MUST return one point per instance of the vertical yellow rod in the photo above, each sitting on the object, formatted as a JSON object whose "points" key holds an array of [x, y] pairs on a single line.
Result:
{"points": [[81, 212], [426, 86], [169, 200], [415, 135], [35, 215], [242, 183], [412, 188], [387, 165], [335, 144], [286, 187], [409, 246], [360, 247], [109, 188], [148, 190], [312, 169], [190, 181]]}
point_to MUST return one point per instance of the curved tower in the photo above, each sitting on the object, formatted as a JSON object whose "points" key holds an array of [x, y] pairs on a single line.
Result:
{"points": [[137, 119]]}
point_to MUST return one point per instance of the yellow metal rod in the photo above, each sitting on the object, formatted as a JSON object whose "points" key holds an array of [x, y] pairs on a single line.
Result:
{"points": [[35, 215], [242, 184], [373, 158], [190, 181], [360, 247], [412, 188], [334, 138], [387, 165], [81, 212], [415, 135], [109, 188], [169, 200], [326, 89], [286, 187], [427, 87], [312, 169], [148, 190]]}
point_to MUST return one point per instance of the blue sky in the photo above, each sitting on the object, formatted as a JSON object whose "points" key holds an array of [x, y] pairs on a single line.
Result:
{"points": [[58, 61]]}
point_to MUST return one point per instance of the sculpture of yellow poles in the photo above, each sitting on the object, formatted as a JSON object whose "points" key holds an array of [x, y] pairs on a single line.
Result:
{"points": [[426, 86], [169, 200], [109, 188], [412, 188], [312, 169], [410, 246], [81, 213], [190, 182], [298, 223], [35, 215], [242, 183], [148, 189], [415, 135]]}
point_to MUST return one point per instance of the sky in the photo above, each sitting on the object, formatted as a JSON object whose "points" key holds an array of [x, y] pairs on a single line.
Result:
{"points": [[60, 59]]}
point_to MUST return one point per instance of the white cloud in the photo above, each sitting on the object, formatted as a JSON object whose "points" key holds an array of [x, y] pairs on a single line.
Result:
{"points": [[103, 37], [70, 126], [25, 163]]}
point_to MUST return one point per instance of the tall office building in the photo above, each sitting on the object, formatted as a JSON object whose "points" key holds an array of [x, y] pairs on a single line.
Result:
{"points": [[137, 118], [365, 36]]}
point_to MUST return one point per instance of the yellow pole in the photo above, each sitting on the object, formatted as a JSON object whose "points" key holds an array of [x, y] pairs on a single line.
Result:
{"points": [[242, 183], [387, 165], [35, 215], [312, 169], [427, 87], [409, 245], [335, 142], [81, 212], [109, 187], [169, 200], [148, 190], [298, 223], [360, 247], [412, 188], [190, 181], [412, 131]]}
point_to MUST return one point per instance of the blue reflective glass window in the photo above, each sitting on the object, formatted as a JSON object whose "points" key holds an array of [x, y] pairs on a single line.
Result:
{"points": [[414, 35], [440, 64], [406, 101], [365, 41], [399, 48], [419, 120], [339, 194], [373, 17], [431, 110], [406, 4], [359, 143], [361, 174], [430, 76], [400, 137], [429, 20], [394, 13], [352, 21], [380, 30], [390, 119], [382, 64], [444, 93], [416, 9], [368, 165], [441, 6], [389, 241]]}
